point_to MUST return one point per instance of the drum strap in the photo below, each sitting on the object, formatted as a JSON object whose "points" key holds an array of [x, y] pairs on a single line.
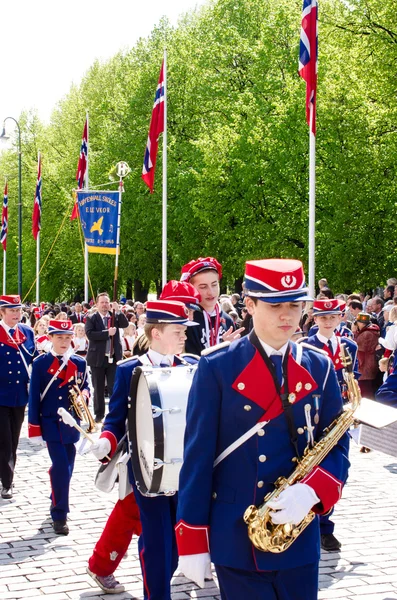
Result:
{"points": [[241, 440]]}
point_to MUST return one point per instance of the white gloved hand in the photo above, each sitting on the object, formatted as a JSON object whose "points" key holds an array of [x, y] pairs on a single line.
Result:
{"points": [[196, 567], [37, 440], [293, 504], [100, 449]]}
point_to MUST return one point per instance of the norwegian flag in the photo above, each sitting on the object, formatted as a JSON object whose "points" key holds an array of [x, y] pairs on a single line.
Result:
{"points": [[156, 127], [81, 168], [36, 217], [308, 52], [4, 219]]}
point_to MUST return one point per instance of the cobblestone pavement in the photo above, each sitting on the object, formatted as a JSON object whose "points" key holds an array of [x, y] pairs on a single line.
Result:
{"points": [[36, 563]]}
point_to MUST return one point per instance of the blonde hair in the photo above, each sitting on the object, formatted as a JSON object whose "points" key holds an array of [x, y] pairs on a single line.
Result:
{"points": [[393, 314]]}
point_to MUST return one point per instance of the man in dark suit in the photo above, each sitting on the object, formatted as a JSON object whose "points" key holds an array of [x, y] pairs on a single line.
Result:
{"points": [[104, 349], [78, 315]]}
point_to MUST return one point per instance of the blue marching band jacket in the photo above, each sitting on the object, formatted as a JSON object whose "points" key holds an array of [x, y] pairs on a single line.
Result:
{"points": [[50, 387], [232, 391], [16, 356], [335, 356]]}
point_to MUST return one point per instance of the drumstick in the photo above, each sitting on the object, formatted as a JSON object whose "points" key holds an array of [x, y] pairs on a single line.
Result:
{"points": [[69, 420]]}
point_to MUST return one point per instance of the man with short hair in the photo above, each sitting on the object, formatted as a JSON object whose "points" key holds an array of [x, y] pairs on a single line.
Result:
{"points": [[17, 350], [104, 349], [78, 315]]}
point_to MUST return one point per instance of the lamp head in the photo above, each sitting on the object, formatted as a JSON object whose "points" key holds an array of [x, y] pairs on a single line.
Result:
{"points": [[3, 133]]}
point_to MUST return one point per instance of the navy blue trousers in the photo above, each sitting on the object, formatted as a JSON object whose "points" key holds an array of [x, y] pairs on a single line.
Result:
{"points": [[157, 544], [61, 470], [326, 525], [300, 583]]}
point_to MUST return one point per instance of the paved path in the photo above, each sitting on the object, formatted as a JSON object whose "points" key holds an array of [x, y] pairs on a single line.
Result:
{"points": [[34, 563]]}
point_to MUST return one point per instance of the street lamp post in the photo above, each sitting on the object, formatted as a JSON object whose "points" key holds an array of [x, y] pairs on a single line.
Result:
{"points": [[3, 135]]}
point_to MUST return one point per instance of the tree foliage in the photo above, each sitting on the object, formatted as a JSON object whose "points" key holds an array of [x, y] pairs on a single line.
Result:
{"points": [[237, 149]]}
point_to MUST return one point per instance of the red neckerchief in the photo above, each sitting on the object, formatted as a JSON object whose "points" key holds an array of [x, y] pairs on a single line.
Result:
{"points": [[213, 332]]}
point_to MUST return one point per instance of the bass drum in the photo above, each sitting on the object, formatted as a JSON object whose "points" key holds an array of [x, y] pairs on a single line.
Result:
{"points": [[156, 426]]}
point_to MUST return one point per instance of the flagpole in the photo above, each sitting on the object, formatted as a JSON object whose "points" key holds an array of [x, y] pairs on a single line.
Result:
{"points": [[38, 269], [312, 203], [85, 245], [4, 271], [164, 240]]}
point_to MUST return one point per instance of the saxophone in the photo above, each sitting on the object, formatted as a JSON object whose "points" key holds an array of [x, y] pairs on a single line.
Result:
{"points": [[79, 405], [263, 533]]}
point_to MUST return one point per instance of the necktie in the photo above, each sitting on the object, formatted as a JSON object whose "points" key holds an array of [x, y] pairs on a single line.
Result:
{"points": [[277, 360], [12, 331], [331, 348]]}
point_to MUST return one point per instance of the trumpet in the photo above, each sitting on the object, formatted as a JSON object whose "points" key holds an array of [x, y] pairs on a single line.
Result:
{"points": [[79, 405]]}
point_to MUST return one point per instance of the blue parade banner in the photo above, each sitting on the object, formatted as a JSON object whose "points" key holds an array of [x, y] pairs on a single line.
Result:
{"points": [[98, 216]]}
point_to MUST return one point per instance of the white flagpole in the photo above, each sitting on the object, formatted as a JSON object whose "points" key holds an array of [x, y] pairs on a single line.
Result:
{"points": [[164, 241], [4, 272], [312, 203], [85, 245], [38, 246]]}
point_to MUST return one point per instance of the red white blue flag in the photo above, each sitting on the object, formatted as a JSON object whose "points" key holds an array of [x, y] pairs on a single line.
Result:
{"points": [[4, 219], [156, 127], [308, 52], [36, 217], [81, 168]]}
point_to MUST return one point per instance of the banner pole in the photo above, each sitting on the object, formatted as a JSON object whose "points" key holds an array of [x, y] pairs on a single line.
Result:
{"points": [[312, 204], [85, 245], [38, 269], [116, 268], [4, 271], [164, 240]]}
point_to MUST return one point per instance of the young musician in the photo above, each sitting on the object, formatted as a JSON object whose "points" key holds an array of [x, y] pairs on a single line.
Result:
{"points": [[327, 316], [254, 406], [17, 349], [54, 375], [165, 329], [215, 325]]}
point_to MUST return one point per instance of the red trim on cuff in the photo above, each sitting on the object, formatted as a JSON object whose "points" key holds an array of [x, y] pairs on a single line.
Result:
{"points": [[192, 539], [112, 439], [387, 353], [327, 487], [34, 430]]}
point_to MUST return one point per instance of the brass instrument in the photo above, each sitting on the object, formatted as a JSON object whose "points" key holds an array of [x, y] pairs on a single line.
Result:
{"points": [[79, 405], [263, 533]]}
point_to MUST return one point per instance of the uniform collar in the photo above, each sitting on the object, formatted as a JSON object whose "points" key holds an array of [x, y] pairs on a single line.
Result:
{"points": [[269, 350], [6, 327], [65, 357], [156, 358], [325, 340]]}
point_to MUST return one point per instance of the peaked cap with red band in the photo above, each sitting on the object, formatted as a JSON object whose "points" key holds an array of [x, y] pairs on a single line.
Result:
{"points": [[342, 305], [201, 264], [64, 327], [326, 307], [275, 280], [181, 291], [167, 311], [10, 302]]}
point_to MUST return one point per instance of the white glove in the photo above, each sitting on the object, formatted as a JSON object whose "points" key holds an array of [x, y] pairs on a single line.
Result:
{"points": [[100, 449], [293, 504], [37, 440], [196, 567]]}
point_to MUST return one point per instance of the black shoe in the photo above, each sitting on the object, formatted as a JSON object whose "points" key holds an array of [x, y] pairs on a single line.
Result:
{"points": [[330, 543], [60, 527], [6, 493]]}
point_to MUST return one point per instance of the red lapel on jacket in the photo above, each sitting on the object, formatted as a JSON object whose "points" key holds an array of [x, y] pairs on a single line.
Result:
{"points": [[334, 357], [256, 383], [17, 339]]}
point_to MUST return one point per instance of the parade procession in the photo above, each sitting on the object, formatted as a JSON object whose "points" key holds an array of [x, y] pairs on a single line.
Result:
{"points": [[198, 336]]}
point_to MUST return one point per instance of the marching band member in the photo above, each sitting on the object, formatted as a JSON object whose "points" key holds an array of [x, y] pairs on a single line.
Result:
{"points": [[53, 375], [165, 329], [253, 407], [327, 315], [215, 325], [17, 349]]}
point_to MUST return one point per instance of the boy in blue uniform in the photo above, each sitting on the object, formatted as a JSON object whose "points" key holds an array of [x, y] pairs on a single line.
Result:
{"points": [[327, 315], [17, 349], [251, 413], [53, 375], [165, 328]]}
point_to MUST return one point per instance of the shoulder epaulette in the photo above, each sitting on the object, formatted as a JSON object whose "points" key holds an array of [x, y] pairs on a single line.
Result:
{"points": [[215, 348], [39, 356], [125, 360], [190, 355], [314, 348]]}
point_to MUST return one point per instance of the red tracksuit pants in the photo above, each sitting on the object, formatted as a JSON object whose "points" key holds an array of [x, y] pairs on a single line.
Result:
{"points": [[121, 525]]}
